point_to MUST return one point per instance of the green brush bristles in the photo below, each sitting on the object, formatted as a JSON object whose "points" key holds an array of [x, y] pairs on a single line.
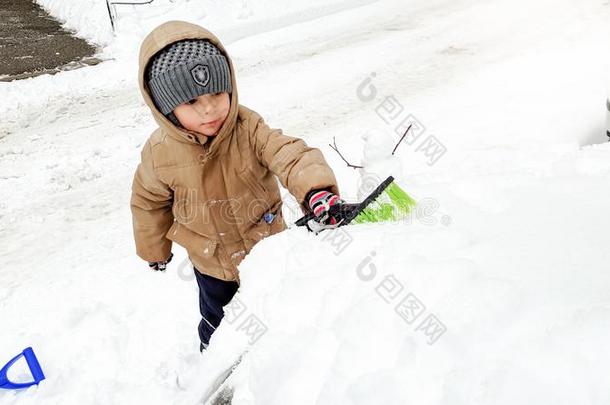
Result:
{"points": [[393, 204], [400, 198]]}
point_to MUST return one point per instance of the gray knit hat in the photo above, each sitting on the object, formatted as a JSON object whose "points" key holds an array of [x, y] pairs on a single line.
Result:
{"points": [[185, 70]]}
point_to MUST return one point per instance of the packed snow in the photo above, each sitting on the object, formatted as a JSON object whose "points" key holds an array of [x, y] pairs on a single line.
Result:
{"points": [[495, 290]]}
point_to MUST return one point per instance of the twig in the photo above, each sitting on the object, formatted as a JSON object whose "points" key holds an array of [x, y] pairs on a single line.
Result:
{"points": [[337, 150], [401, 138]]}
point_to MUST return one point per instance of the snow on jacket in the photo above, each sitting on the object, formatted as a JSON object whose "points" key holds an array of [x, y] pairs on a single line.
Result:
{"points": [[211, 197]]}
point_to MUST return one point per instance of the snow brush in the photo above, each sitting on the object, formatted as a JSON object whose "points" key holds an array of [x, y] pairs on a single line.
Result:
{"points": [[388, 202]]}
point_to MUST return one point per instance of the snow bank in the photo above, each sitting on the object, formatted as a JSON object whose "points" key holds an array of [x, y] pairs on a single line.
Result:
{"points": [[87, 18], [510, 318]]}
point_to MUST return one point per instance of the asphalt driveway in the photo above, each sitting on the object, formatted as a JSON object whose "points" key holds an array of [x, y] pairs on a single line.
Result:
{"points": [[33, 43]]}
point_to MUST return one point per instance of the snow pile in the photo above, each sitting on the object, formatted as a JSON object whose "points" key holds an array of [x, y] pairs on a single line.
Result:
{"points": [[230, 19], [482, 310], [494, 291], [87, 18]]}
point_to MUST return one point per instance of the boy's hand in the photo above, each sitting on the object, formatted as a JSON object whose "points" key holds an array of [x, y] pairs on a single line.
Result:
{"points": [[320, 202], [160, 266]]}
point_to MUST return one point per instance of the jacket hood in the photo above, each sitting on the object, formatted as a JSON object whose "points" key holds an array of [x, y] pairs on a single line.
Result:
{"points": [[158, 39]]}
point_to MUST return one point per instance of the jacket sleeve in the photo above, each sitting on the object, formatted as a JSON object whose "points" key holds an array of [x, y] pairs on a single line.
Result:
{"points": [[299, 167], [151, 209]]}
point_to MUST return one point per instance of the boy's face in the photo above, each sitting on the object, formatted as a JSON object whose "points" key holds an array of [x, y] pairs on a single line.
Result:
{"points": [[204, 114]]}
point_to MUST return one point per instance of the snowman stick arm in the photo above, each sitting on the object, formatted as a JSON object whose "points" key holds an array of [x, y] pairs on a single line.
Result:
{"points": [[336, 149], [400, 140]]}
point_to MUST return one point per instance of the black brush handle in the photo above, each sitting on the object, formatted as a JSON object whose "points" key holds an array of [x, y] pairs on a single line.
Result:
{"points": [[339, 210]]}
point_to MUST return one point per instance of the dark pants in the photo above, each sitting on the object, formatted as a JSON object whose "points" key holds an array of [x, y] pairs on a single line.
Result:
{"points": [[213, 295]]}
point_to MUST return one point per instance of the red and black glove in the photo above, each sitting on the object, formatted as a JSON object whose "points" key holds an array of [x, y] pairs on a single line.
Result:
{"points": [[160, 266], [319, 202]]}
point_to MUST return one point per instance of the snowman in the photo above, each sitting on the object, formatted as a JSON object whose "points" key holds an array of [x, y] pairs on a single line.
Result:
{"points": [[377, 161]]}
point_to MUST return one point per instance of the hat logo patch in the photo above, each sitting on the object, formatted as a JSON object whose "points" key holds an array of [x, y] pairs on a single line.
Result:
{"points": [[201, 74]]}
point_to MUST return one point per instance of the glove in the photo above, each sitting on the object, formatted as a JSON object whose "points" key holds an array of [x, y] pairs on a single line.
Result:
{"points": [[160, 266], [320, 202]]}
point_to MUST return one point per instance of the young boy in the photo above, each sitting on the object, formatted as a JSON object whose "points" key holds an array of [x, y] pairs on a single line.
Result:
{"points": [[207, 177]]}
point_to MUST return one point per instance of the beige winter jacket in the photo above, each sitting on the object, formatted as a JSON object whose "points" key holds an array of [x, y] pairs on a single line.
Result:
{"points": [[211, 197]]}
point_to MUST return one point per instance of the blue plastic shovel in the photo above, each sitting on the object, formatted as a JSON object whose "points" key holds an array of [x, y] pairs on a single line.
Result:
{"points": [[33, 364]]}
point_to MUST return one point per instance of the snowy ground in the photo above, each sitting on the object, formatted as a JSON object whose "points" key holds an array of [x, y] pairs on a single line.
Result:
{"points": [[508, 255]]}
